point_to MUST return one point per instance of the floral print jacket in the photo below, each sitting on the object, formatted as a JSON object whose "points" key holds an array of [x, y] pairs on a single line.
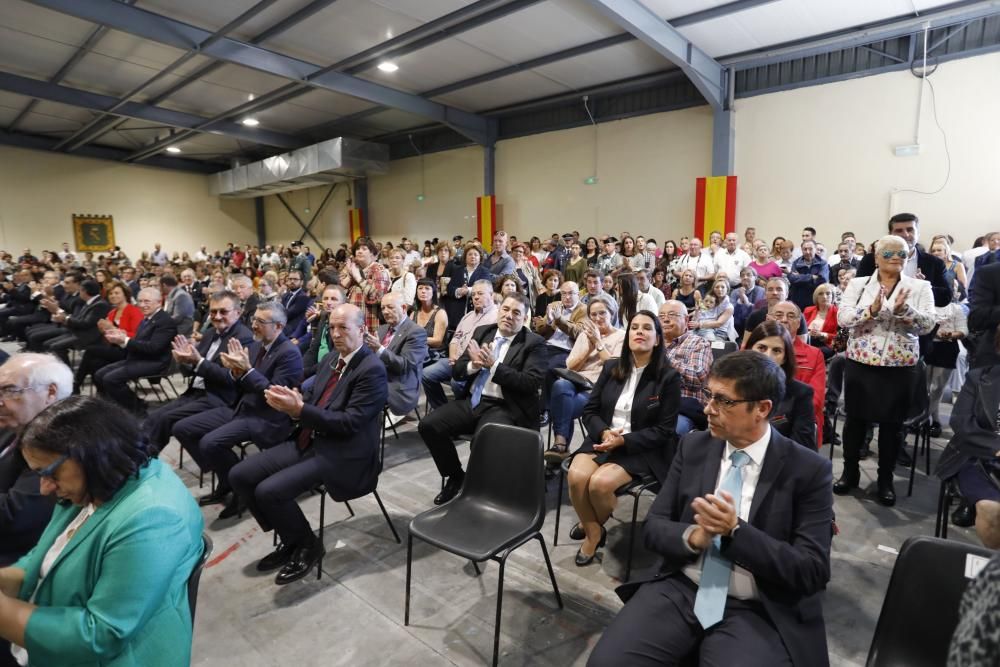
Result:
{"points": [[887, 339]]}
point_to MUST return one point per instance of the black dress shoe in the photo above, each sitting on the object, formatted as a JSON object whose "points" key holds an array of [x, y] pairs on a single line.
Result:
{"points": [[844, 485], [903, 458], [964, 516], [582, 559], [886, 494], [935, 429], [544, 421], [577, 532], [450, 490], [276, 558], [302, 562], [216, 497], [234, 507], [864, 453]]}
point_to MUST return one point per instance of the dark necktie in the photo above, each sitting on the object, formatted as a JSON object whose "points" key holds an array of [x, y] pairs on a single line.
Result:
{"points": [[260, 356], [390, 332], [305, 435]]}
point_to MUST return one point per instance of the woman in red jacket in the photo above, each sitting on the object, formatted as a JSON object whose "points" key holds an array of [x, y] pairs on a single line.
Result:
{"points": [[124, 316], [822, 320]]}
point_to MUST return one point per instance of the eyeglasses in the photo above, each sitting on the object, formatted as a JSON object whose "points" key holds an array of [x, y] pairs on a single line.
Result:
{"points": [[11, 391], [49, 471], [261, 322], [673, 316], [220, 311], [889, 254], [707, 397]]}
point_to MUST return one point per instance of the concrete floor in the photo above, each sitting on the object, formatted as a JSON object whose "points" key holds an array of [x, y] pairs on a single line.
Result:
{"points": [[353, 615]]}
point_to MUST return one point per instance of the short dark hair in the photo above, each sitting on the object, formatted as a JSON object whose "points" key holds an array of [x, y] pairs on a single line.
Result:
{"points": [[225, 294], [755, 376], [425, 282], [168, 280], [522, 299], [363, 241], [657, 361], [846, 234], [592, 273], [99, 435], [811, 230], [903, 217], [91, 287], [769, 328]]}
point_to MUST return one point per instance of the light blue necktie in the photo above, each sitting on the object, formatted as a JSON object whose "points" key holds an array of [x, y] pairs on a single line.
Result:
{"points": [[484, 374], [710, 602]]}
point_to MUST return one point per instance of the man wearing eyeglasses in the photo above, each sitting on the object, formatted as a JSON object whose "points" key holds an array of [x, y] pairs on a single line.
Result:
{"points": [[919, 264], [209, 384], [743, 526], [692, 357], [210, 437]]}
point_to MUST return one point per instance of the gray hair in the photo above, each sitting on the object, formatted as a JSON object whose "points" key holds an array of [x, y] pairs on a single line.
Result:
{"points": [[276, 311], [42, 370], [891, 242], [484, 282], [151, 292], [241, 279]]}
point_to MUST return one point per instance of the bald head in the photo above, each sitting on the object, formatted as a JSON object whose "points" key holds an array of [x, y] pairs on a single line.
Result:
{"points": [[392, 308], [673, 319], [787, 314], [347, 328]]}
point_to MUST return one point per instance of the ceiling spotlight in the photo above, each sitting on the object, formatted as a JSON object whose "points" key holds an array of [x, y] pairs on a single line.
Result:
{"points": [[388, 66], [173, 149], [250, 122]]}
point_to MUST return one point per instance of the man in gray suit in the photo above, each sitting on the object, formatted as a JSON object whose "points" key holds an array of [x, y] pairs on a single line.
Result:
{"points": [[402, 346]]}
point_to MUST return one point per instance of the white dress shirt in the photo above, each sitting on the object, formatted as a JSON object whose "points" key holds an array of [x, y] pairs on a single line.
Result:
{"points": [[491, 388], [622, 416], [742, 585]]}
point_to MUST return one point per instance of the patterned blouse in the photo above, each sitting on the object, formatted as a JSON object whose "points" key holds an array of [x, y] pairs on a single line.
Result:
{"points": [[886, 339]]}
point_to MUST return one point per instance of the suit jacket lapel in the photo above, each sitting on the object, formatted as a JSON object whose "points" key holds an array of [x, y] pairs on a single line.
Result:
{"points": [[774, 461], [355, 360], [710, 470], [988, 398]]}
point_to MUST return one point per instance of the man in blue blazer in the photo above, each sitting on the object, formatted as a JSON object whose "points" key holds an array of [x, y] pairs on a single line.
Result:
{"points": [[210, 385], [147, 353], [401, 344], [211, 436], [336, 444], [743, 526], [296, 302]]}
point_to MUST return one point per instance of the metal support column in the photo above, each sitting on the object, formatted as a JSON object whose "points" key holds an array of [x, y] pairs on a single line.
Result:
{"points": [[258, 207], [361, 203], [489, 169], [724, 130]]}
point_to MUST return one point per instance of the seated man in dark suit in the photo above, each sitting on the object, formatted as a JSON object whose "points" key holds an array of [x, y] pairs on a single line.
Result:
{"points": [[743, 525], [29, 383], [243, 287], [16, 298], [505, 364], [68, 301], [211, 436], [210, 385], [402, 346], [148, 353], [49, 290], [337, 444], [296, 302], [75, 329]]}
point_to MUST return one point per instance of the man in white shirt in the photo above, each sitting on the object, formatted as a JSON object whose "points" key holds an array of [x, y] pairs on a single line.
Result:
{"points": [[201, 255], [731, 260], [743, 524], [697, 261]]}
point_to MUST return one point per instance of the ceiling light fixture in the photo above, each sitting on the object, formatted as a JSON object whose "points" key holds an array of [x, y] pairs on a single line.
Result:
{"points": [[173, 149], [250, 122], [388, 66]]}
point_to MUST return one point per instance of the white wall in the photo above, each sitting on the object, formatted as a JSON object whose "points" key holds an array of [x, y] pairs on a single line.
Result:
{"points": [[40, 192]]}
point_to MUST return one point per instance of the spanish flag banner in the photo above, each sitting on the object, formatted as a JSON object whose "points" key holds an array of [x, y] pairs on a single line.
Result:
{"points": [[356, 221], [714, 206], [486, 220]]}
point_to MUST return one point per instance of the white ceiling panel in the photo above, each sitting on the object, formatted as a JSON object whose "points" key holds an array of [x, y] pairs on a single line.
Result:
{"points": [[109, 76], [392, 121], [538, 30], [437, 65], [617, 62], [123, 46], [31, 19], [325, 101], [502, 92], [424, 10], [209, 15], [345, 28], [64, 111], [43, 59]]}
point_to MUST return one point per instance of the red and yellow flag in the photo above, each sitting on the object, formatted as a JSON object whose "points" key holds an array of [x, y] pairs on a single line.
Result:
{"points": [[356, 223], [714, 206], [486, 220]]}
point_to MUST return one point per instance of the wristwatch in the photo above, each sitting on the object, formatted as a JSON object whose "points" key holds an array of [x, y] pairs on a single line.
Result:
{"points": [[600, 348]]}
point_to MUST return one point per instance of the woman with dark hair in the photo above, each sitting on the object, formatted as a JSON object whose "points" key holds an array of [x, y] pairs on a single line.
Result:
{"points": [[551, 281], [107, 582], [525, 271], [592, 251], [630, 299], [793, 417], [632, 257], [631, 421], [461, 281], [427, 313]]}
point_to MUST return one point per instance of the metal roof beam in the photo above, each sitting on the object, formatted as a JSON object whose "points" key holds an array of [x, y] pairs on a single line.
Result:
{"points": [[96, 102], [717, 12], [703, 70], [168, 31]]}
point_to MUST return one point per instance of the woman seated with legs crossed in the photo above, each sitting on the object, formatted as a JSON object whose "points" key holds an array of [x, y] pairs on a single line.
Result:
{"points": [[631, 420], [598, 342]]}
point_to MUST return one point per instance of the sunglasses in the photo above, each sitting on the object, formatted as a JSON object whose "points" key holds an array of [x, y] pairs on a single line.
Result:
{"points": [[889, 254]]}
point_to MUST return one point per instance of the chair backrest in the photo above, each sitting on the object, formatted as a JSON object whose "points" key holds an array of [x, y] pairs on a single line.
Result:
{"points": [[722, 348], [507, 472], [195, 577], [920, 610]]}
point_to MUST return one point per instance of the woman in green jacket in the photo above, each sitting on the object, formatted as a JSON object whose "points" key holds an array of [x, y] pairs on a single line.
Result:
{"points": [[107, 582]]}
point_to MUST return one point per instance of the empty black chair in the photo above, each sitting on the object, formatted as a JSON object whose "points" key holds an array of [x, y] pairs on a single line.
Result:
{"points": [[722, 348], [500, 507], [195, 577], [920, 610]]}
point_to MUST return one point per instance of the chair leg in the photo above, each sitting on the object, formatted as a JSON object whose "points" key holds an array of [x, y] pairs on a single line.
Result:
{"points": [[409, 562], [631, 537], [180, 462], [552, 575], [945, 515], [475, 566], [555, 533], [913, 461], [942, 493], [416, 413], [387, 519], [496, 629], [348, 506], [322, 519], [927, 451]]}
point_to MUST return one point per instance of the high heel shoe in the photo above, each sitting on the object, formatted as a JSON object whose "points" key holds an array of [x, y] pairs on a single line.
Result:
{"points": [[582, 560]]}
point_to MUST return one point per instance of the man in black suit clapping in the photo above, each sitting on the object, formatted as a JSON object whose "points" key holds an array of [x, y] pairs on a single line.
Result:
{"points": [[504, 365]]}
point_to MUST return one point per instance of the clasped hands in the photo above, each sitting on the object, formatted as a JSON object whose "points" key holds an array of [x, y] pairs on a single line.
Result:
{"points": [[611, 438], [115, 336], [284, 400], [481, 356], [236, 358], [898, 306], [713, 515]]}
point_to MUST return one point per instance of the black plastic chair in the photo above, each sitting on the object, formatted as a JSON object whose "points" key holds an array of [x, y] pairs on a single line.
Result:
{"points": [[321, 490], [929, 575], [919, 423], [634, 488], [195, 577], [948, 492], [722, 348], [500, 508]]}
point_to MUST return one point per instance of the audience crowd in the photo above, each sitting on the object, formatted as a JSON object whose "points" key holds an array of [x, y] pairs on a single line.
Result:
{"points": [[310, 356]]}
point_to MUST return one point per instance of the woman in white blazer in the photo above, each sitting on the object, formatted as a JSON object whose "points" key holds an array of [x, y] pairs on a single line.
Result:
{"points": [[885, 314]]}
